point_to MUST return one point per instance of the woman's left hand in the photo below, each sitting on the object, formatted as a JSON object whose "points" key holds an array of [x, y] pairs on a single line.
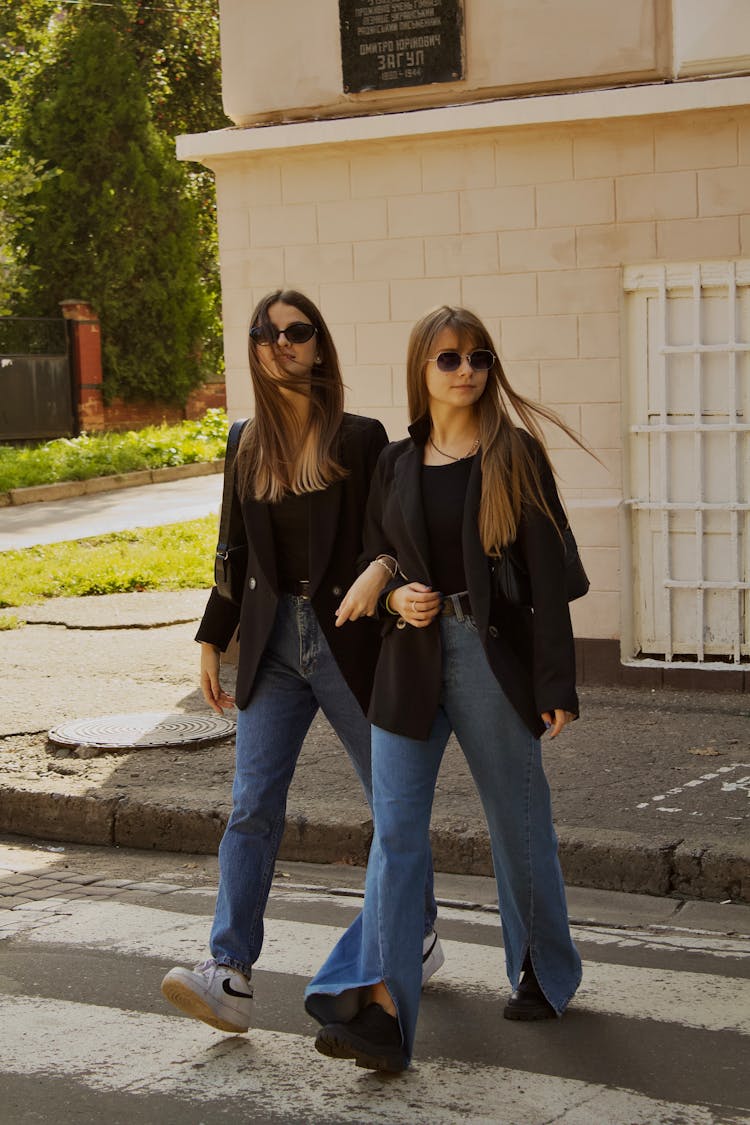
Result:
{"points": [[361, 599], [555, 721]]}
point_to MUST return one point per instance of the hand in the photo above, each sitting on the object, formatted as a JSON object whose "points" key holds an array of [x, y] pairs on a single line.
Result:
{"points": [[361, 599], [555, 722], [216, 698], [418, 605]]}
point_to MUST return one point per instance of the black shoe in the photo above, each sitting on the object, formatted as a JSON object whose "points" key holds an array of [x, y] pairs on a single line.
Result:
{"points": [[372, 1039], [328, 1008], [528, 1002]]}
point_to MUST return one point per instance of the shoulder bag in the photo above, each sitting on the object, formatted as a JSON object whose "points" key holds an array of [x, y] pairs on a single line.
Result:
{"points": [[511, 579], [230, 564]]}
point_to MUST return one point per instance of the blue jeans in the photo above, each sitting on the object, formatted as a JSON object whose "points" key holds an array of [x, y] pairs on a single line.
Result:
{"points": [[384, 942], [297, 675]]}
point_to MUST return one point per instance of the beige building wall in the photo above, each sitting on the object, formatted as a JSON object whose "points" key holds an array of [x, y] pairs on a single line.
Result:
{"points": [[526, 210], [282, 58], [531, 229]]}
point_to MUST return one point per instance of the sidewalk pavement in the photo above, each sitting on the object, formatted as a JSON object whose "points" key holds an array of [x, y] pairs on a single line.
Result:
{"points": [[105, 504], [650, 789]]}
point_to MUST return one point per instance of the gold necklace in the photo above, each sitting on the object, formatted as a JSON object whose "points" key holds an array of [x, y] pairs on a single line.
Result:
{"points": [[474, 447]]}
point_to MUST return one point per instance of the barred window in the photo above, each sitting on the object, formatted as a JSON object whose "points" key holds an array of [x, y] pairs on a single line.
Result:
{"points": [[688, 502]]}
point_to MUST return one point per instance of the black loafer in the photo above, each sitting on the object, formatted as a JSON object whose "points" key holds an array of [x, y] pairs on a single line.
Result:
{"points": [[328, 1008], [528, 1002], [372, 1039]]}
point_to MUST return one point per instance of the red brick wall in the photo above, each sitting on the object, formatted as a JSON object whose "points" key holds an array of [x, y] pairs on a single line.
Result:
{"points": [[119, 415], [91, 412]]}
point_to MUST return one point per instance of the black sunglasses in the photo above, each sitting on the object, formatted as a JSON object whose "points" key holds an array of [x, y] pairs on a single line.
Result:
{"points": [[297, 333], [481, 359]]}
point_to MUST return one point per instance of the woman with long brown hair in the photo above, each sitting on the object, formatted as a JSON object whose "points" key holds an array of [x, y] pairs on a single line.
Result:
{"points": [[458, 655], [303, 475]]}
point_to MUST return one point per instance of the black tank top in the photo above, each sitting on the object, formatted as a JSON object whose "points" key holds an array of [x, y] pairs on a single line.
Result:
{"points": [[290, 521], [443, 500]]}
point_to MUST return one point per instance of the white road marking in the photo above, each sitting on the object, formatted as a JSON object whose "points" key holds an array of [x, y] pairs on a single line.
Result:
{"points": [[655, 937], [699, 1000], [727, 787], [733, 786], [110, 1050]]}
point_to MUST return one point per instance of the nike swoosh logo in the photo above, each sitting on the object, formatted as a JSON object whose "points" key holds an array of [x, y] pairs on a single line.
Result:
{"points": [[232, 992]]}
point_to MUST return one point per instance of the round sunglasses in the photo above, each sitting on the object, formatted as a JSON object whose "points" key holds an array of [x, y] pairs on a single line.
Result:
{"points": [[481, 359], [299, 332]]}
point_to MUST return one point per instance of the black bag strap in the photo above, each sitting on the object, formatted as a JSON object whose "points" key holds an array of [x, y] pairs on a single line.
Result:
{"points": [[227, 499]]}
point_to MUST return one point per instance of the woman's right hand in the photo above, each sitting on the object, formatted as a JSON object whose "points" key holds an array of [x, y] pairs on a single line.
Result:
{"points": [[214, 695], [361, 599], [417, 604]]}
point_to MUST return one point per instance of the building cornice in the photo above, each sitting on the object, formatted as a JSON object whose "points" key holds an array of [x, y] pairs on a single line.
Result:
{"points": [[546, 109]]}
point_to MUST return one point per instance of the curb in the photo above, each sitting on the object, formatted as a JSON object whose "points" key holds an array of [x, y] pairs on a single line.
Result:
{"points": [[613, 861], [68, 489]]}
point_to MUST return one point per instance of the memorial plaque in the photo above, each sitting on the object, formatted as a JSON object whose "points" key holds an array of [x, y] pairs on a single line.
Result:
{"points": [[390, 43]]}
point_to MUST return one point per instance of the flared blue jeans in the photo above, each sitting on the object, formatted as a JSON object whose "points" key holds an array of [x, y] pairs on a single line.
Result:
{"points": [[297, 675], [384, 942]]}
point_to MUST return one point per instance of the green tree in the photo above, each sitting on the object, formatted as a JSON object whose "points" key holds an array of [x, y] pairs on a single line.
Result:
{"points": [[178, 53], [105, 211], [22, 33]]}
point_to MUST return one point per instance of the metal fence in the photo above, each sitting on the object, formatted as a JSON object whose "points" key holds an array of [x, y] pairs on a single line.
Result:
{"points": [[36, 399]]}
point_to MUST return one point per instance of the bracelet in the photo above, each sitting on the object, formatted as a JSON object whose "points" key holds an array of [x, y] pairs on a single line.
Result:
{"points": [[393, 612], [380, 560]]}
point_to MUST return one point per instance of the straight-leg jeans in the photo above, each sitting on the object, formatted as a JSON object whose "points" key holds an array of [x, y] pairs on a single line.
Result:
{"points": [[297, 675], [505, 761]]}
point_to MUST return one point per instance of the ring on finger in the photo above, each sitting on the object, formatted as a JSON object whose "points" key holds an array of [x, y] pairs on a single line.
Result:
{"points": [[414, 606]]}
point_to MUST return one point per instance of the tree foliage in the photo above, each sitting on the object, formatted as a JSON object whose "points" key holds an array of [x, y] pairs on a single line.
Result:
{"points": [[103, 210], [22, 34]]}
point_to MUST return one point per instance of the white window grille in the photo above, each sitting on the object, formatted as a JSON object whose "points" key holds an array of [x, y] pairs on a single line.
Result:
{"points": [[688, 408]]}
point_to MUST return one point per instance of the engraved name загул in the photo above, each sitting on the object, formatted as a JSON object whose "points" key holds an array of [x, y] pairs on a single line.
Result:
{"points": [[390, 43]]}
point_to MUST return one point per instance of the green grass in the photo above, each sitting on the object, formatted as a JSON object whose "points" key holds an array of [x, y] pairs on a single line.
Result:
{"points": [[99, 455], [10, 621], [173, 557]]}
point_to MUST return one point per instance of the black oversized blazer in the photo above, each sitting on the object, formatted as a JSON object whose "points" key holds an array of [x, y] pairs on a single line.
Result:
{"points": [[336, 517], [531, 653]]}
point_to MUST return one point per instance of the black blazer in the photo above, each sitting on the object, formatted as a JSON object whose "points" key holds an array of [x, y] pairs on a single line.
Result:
{"points": [[336, 516], [531, 653]]}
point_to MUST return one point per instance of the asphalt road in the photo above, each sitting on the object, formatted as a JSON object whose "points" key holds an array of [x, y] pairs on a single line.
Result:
{"points": [[656, 1035]]}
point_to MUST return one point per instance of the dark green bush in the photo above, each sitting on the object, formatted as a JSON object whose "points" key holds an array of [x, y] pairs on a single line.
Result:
{"points": [[116, 220]]}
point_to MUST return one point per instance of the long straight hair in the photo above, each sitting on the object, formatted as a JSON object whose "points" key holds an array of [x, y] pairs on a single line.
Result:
{"points": [[278, 455], [510, 473]]}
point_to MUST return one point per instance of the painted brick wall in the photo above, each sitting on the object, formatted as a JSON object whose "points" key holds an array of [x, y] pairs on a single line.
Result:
{"points": [[530, 228]]}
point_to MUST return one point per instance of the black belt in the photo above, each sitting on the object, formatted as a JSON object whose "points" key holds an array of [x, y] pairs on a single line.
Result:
{"points": [[300, 589], [456, 605]]}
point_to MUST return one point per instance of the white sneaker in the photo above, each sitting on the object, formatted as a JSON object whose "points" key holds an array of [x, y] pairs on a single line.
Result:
{"points": [[216, 994], [432, 956]]}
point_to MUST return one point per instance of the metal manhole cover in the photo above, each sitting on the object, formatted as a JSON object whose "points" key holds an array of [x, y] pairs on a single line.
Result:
{"points": [[142, 730]]}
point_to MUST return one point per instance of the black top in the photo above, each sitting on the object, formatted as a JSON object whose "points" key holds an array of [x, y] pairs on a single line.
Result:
{"points": [[290, 523], [335, 543], [443, 500]]}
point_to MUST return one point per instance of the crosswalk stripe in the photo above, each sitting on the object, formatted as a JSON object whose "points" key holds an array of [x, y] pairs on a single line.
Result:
{"points": [[697, 1000], [656, 938], [110, 1050]]}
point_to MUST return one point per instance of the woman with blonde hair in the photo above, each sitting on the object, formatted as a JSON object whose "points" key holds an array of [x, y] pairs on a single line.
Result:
{"points": [[303, 471], [458, 655]]}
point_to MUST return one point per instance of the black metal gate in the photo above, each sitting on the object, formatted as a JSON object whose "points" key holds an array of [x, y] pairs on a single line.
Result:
{"points": [[36, 397]]}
